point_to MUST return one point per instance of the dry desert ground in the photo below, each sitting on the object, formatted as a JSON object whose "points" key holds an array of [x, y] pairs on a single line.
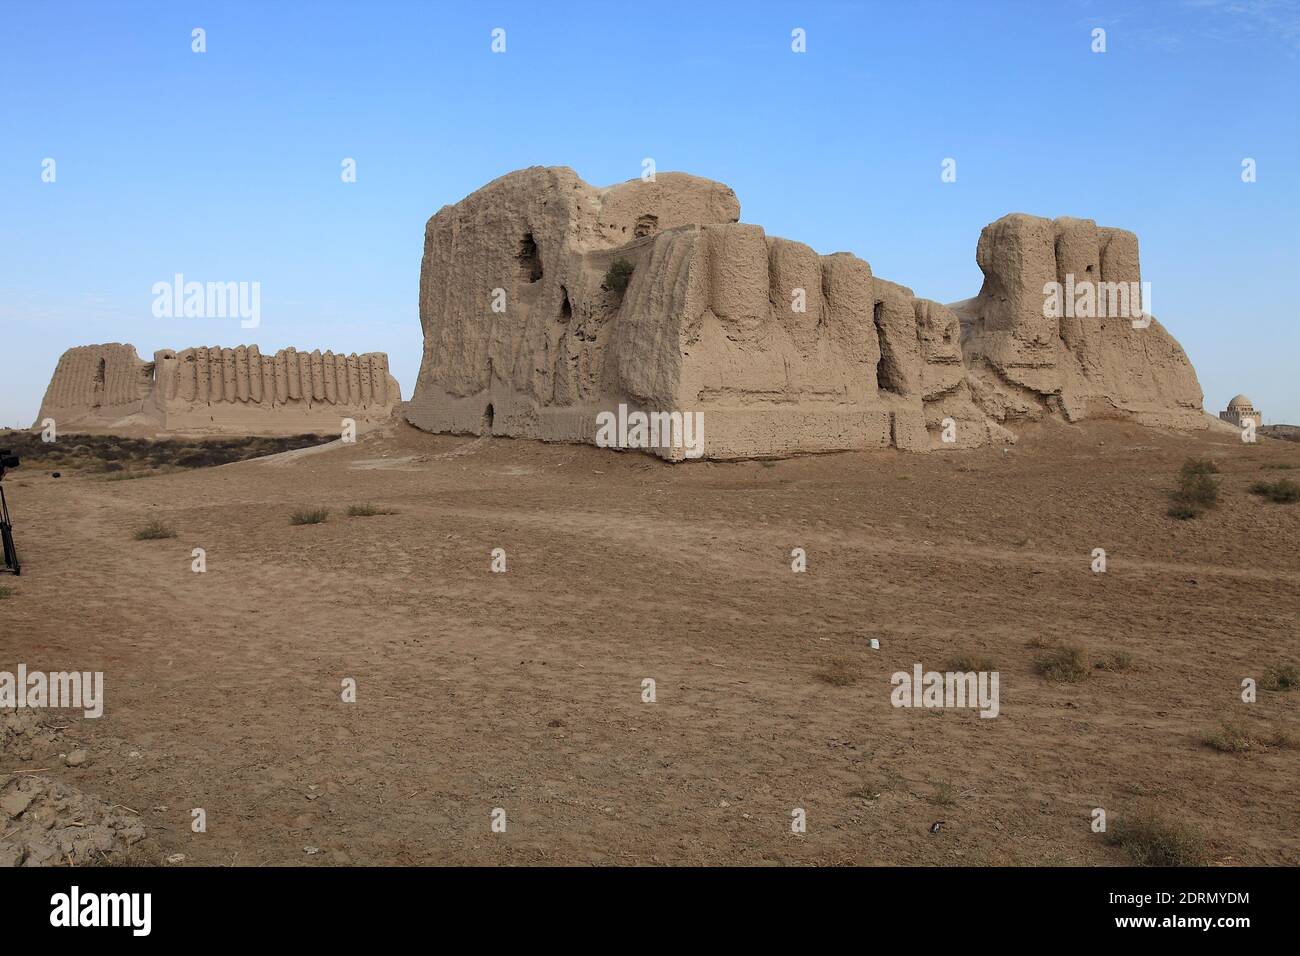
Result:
{"points": [[523, 690]]}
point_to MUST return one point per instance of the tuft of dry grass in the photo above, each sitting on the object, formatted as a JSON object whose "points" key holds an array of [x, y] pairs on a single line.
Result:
{"points": [[1198, 466], [967, 663], [309, 516], [1150, 840], [1117, 662], [1067, 664], [1284, 491], [155, 530], [367, 510], [943, 795], [1229, 738], [5, 592], [1281, 739], [839, 672], [1280, 677]]}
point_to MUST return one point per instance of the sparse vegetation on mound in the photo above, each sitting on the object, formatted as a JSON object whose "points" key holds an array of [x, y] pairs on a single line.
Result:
{"points": [[1283, 491], [968, 663], [1150, 840], [367, 510], [309, 516], [116, 458], [1067, 664], [154, 530], [1197, 492]]}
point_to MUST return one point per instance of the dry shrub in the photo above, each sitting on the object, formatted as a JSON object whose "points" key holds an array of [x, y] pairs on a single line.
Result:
{"points": [[309, 516], [1151, 840], [155, 530], [1067, 664]]}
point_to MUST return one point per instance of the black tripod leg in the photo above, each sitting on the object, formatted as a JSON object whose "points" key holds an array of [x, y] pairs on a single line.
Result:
{"points": [[7, 534]]}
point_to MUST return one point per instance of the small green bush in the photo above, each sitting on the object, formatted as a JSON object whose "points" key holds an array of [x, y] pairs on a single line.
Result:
{"points": [[618, 276], [1196, 491]]}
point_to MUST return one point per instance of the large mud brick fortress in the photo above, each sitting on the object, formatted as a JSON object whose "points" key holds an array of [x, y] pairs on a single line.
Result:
{"points": [[782, 350], [218, 390]]}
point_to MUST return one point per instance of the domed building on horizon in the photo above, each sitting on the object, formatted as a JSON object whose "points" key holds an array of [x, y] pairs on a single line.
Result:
{"points": [[1239, 410]]}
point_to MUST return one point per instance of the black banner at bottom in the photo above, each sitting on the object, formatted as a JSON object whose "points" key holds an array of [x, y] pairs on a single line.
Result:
{"points": [[330, 905]]}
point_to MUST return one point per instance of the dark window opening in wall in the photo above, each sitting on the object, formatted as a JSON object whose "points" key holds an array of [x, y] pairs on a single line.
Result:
{"points": [[488, 416], [566, 308], [101, 374], [888, 376], [647, 225], [530, 260]]}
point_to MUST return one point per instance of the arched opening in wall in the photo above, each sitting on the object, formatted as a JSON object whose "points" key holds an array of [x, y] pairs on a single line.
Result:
{"points": [[530, 259], [566, 307], [647, 225], [888, 375], [488, 415]]}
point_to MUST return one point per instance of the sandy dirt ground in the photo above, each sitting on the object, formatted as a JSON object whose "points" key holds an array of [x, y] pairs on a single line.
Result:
{"points": [[523, 690]]}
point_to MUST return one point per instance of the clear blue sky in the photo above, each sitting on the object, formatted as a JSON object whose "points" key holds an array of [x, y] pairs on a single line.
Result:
{"points": [[225, 165]]}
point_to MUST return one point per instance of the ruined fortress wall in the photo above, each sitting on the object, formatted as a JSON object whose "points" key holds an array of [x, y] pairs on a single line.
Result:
{"points": [[220, 390], [1080, 366], [781, 349], [107, 381]]}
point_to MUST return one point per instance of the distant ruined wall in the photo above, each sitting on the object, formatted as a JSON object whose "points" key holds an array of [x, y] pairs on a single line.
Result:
{"points": [[219, 390], [783, 350], [104, 380]]}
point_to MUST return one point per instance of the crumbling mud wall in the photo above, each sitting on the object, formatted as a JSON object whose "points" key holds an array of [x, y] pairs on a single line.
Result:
{"points": [[779, 349], [218, 390], [1099, 357]]}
